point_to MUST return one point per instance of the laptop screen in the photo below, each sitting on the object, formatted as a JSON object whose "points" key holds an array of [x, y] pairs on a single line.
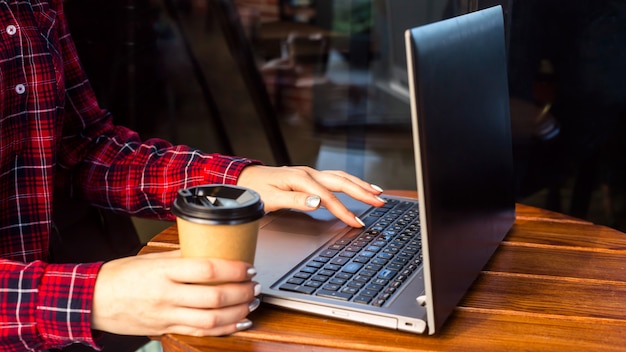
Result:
{"points": [[460, 106]]}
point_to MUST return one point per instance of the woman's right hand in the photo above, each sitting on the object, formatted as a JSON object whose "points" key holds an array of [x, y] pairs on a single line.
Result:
{"points": [[161, 293]]}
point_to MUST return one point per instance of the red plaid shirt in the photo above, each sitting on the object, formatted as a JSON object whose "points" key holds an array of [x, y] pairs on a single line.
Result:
{"points": [[50, 121]]}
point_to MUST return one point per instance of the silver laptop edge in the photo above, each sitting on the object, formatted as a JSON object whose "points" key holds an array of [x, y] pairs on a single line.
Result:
{"points": [[427, 299]]}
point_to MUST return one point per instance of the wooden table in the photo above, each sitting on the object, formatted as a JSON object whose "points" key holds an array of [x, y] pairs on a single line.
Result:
{"points": [[555, 284]]}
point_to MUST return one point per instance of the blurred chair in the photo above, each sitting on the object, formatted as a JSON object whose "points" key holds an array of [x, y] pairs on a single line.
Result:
{"points": [[292, 76], [308, 54]]}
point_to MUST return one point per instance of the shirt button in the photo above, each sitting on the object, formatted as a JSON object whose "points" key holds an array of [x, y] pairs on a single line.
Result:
{"points": [[11, 29], [20, 88]]}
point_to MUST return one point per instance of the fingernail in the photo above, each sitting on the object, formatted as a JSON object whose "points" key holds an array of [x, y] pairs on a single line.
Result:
{"points": [[359, 220], [244, 325], [257, 289], [251, 272], [313, 201], [380, 199], [376, 187], [254, 305]]}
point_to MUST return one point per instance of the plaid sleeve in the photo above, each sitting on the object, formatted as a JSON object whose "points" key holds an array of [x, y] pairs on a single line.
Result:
{"points": [[45, 305], [112, 167], [142, 178]]}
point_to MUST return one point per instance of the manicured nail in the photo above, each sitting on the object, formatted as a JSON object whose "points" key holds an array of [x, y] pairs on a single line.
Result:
{"points": [[380, 199], [254, 305], [257, 289], [251, 272], [244, 325], [359, 220], [313, 201], [376, 187]]}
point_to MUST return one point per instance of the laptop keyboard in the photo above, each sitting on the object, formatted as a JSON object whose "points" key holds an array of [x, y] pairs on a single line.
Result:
{"points": [[365, 267]]}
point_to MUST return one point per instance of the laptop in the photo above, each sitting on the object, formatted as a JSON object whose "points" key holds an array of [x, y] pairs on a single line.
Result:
{"points": [[415, 259]]}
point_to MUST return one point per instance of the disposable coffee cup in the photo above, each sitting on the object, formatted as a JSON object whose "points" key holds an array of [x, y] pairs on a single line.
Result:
{"points": [[218, 221]]}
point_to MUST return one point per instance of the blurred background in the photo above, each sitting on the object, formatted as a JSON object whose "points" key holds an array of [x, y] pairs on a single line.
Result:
{"points": [[323, 83]]}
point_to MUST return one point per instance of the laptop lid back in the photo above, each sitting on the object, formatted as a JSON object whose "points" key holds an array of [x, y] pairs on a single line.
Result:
{"points": [[461, 128]]}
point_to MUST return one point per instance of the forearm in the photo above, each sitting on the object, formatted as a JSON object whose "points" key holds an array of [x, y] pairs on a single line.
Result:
{"points": [[121, 172]]}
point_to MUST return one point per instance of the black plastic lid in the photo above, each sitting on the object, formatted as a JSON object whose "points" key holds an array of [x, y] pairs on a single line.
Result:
{"points": [[218, 204]]}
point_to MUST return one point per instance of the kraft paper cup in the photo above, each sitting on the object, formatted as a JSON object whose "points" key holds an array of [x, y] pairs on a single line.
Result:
{"points": [[218, 221]]}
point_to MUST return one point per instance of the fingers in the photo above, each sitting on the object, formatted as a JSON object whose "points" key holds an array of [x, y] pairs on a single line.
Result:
{"points": [[212, 310], [215, 296], [352, 181], [304, 188], [339, 181], [151, 295], [311, 189], [198, 270], [199, 322], [199, 319], [206, 271]]}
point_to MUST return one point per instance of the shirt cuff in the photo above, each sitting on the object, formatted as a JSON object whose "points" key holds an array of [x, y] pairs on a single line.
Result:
{"points": [[65, 302], [226, 169]]}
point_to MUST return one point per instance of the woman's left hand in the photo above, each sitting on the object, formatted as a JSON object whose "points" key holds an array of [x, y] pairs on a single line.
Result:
{"points": [[305, 188]]}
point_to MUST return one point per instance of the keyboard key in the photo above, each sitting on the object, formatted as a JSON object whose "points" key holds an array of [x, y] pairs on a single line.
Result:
{"points": [[368, 293], [340, 260], [314, 284], [302, 275], [331, 287], [352, 268], [387, 274], [362, 299], [361, 259], [374, 287], [308, 269], [367, 254], [384, 255], [329, 253], [378, 302], [332, 267], [370, 219], [356, 284], [395, 266], [321, 278], [297, 288], [315, 264], [379, 261], [334, 294], [374, 267], [390, 290], [347, 254], [368, 273], [344, 276], [381, 282], [337, 281], [326, 272], [362, 278]]}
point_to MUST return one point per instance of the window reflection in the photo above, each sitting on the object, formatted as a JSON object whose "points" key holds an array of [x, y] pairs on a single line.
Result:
{"points": [[334, 72]]}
